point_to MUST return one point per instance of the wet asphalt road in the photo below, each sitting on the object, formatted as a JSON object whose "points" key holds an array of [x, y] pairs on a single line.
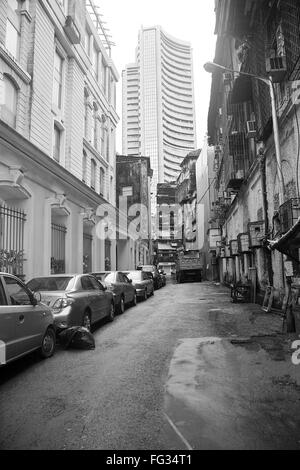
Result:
{"points": [[109, 398], [155, 381]]}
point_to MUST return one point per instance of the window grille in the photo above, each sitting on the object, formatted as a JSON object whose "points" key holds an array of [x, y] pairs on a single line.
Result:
{"points": [[12, 222]]}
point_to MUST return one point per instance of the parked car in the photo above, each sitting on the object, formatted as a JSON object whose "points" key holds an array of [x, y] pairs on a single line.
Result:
{"points": [[143, 283], [121, 287], [163, 276], [75, 299], [156, 276], [25, 323]]}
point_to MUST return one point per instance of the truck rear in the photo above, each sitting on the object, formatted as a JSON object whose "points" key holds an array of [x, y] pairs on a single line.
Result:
{"points": [[189, 266]]}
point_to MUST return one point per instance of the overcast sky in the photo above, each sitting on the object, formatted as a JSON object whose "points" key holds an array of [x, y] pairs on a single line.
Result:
{"points": [[189, 20]]}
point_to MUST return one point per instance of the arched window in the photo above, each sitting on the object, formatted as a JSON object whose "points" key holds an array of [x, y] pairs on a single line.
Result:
{"points": [[84, 161], [9, 108], [93, 173]]}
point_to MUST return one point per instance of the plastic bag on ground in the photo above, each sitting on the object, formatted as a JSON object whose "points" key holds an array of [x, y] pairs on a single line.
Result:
{"points": [[76, 337]]}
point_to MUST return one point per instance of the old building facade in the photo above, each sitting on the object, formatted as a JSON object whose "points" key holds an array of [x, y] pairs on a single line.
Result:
{"points": [[57, 136], [133, 181], [258, 192]]}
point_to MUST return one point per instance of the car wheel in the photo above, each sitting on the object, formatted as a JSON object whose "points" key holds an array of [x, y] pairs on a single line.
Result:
{"points": [[134, 301], [111, 315], [48, 344], [121, 307], [86, 321]]}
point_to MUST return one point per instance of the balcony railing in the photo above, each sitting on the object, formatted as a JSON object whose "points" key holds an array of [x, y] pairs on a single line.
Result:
{"points": [[234, 172], [289, 213]]}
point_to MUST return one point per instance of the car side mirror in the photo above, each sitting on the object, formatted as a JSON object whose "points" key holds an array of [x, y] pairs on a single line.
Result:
{"points": [[36, 298]]}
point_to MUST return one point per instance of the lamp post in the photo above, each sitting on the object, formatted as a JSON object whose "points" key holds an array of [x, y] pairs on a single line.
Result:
{"points": [[211, 67]]}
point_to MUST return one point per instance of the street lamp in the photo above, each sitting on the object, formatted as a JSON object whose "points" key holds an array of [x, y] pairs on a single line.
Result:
{"points": [[212, 67]]}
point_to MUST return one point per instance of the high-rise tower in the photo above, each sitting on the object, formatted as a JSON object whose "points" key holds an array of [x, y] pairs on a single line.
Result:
{"points": [[158, 104]]}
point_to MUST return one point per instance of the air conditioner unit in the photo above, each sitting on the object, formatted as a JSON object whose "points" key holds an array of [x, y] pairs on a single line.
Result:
{"points": [[276, 67], [251, 129]]}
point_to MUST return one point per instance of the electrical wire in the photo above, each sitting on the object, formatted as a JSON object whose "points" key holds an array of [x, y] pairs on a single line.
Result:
{"points": [[213, 180]]}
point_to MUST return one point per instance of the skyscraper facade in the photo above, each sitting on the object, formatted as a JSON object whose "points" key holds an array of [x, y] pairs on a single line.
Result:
{"points": [[158, 104]]}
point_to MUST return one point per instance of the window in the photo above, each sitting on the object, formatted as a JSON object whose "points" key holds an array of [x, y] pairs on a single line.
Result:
{"points": [[56, 143], [111, 187], [13, 28], [95, 284], [84, 162], [93, 173], [86, 108], [103, 74], [65, 5], [102, 139], [86, 283], [95, 130], [107, 146], [57, 80], [95, 60], [2, 295], [16, 292], [9, 108], [101, 181], [87, 42]]}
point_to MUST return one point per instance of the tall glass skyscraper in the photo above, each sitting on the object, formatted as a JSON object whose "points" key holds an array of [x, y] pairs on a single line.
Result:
{"points": [[158, 104]]}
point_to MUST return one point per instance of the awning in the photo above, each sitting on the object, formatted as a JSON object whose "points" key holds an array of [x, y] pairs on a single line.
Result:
{"points": [[165, 247], [289, 242]]}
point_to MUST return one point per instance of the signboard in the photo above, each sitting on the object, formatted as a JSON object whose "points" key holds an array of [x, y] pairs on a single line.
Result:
{"points": [[214, 237], [227, 251], [234, 248], [243, 243], [256, 233]]}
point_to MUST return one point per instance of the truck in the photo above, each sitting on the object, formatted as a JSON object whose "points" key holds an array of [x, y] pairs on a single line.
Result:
{"points": [[189, 266]]}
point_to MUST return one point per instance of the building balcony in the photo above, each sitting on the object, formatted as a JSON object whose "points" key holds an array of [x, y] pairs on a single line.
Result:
{"points": [[289, 213], [234, 172]]}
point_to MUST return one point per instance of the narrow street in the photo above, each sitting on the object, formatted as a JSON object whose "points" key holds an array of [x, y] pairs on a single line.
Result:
{"points": [[186, 369]]}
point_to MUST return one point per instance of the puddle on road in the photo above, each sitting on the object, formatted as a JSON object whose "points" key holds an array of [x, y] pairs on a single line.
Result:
{"points": [[273, 345]]}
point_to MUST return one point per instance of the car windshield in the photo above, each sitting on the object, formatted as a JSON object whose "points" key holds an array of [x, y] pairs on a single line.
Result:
{"points": [[50, 283], [109, 277], [134, 275]]}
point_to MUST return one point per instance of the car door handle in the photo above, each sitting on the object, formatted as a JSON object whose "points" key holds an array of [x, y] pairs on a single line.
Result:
{"points": [[21, 318]]}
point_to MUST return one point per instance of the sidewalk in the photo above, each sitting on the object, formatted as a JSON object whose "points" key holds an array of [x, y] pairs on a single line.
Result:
{"points": [[238, 389]]}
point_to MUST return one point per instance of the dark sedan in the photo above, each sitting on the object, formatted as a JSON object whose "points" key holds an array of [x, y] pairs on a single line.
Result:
{"points": [[158, 283], [75, 300], [121, 287], [143, 283]]}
